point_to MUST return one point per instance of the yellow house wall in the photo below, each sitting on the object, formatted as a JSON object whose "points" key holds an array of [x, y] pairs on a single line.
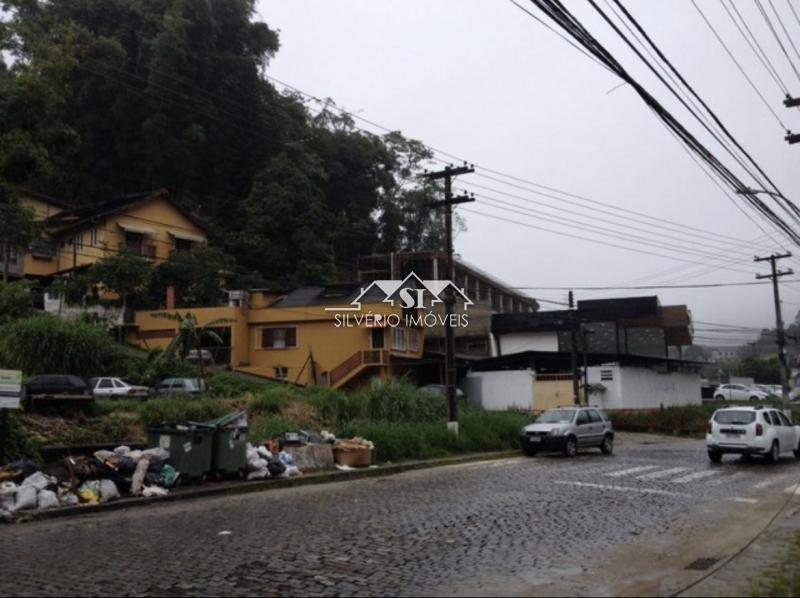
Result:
{"points": [[316, 332], [146, 321], [158, 215]]}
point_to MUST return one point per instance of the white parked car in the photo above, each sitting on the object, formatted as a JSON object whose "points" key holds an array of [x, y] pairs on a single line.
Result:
{"points": [[751, 431], [117, 388], [739, 392]]}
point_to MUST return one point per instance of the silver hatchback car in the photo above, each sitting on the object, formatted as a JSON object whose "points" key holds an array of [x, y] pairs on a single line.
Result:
{"points": [[566, 429]]}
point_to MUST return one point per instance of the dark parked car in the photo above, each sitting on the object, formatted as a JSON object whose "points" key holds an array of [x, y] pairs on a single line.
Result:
{"points": [[57, 385], [191, 386]]}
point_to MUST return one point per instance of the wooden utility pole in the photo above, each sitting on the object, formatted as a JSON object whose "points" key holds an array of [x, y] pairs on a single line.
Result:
{"points": [[450, 374], [573, 343], [781, 336]]}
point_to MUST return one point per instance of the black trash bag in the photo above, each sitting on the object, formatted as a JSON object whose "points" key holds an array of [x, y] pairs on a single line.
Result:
{"points": [[156, 463], [154, 479], [126, 466], [23, 468], [275, 467]]}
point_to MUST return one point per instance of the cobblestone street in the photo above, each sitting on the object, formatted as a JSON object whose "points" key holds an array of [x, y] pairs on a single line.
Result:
{"points": [[518, 525]]}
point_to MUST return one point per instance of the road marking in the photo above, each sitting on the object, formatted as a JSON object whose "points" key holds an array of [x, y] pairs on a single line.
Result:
{"points": [[621, 488], [664, 473], [631, 470], [697, 475], [644, 490], [769, 482]]}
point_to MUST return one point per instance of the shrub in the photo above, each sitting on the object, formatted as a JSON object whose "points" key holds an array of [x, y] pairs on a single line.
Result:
{"points": [[17, 443], [271, 401], [262, 427], [45, 344], [229, 385], [152, 367], [181, 408], [400, 401]]}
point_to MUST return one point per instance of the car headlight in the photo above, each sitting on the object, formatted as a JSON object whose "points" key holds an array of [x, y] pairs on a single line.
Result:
{"points": [[555, 432]]}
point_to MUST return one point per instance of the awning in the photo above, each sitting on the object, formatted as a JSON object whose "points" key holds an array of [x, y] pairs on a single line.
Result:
{"points": [[132, 228], [187, 237]]}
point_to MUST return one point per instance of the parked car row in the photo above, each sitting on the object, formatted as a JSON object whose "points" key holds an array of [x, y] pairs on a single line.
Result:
{"points": [[111, 388]]}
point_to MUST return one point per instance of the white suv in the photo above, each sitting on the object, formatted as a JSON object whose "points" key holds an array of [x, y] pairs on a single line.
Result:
{"points": [[751, 431]]}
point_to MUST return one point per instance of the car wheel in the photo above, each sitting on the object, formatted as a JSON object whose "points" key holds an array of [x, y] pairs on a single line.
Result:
{"points": [[797, 452], [719, 398], [530, 452], [774, 454], [608, 445], [715, 456], [571, 447], [753, 398]]}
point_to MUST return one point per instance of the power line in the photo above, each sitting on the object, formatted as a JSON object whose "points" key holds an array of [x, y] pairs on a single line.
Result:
{"points": [[646, 287], [759, 52], [777, 37], [739, 66]]}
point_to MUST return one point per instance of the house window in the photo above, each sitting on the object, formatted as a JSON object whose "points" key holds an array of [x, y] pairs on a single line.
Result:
{"points": [[281, 372], [398, 339], [183, 246], [77, 240], [606, 375], [279, 338], [377, 338], [413, 339], [93, 235]]}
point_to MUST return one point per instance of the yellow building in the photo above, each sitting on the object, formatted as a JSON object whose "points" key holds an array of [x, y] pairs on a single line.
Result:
{"points": [[147, 224], [311, 335]]}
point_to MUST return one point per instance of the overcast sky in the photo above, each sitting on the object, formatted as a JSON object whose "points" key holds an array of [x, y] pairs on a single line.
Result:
{"points": [[484, 81]]}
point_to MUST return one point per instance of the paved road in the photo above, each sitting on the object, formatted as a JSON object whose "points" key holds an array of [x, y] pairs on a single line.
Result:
{"points": [[516, 526]]}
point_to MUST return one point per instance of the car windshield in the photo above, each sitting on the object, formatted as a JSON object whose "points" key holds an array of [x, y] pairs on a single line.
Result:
{"points": [[557, 416], [740, 418]]}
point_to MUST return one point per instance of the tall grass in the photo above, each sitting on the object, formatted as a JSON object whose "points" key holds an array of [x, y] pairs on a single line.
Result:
{"points": [[45, 344]]}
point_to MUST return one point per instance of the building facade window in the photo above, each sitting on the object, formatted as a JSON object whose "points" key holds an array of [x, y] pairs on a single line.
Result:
{"points": [[279, 338], [281, 372], [398, 339], [413, 339], [93, 236]]}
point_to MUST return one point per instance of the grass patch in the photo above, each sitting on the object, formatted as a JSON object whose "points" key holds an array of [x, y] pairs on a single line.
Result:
{"points": [[229, 385], [783, 578], [684, 420]]}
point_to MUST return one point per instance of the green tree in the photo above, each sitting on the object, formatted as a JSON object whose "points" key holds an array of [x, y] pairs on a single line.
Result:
{"points": [[190, 337], [198, 277], [123, 273], [18, 227], [16, 301]]}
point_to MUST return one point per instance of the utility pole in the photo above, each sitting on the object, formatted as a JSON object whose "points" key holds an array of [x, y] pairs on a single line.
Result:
{"points": [[450, 373], [781, 337], [791, 102], [585, 332], [573, 343]]}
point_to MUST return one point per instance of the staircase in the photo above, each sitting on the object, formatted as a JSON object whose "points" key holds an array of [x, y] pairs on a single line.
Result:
{"points": [[356, 364]]}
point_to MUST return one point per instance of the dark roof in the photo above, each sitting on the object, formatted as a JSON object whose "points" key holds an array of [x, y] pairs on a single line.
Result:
{"points": [[76, 218], [540, 321], [328, 294], [46, 198], [554, 360], [618, 309]]}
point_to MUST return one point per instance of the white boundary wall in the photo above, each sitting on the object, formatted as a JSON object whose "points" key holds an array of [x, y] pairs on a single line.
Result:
{"points": [[643, 388], [500, 390]]}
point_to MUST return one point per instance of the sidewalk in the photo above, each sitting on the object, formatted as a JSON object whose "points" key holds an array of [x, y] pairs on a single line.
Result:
{"points": [[760, 562], [240, 487]]}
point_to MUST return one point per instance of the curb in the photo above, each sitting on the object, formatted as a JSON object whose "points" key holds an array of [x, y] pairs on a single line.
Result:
{"points": [[235, 488]]}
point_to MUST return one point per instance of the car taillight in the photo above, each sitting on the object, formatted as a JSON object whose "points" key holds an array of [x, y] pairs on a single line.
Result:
{"points": [[132, 391], [708, 427], [759, 430]]}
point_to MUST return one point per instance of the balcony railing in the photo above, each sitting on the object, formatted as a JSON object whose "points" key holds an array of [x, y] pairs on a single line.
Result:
{"points": [[144, 250]]}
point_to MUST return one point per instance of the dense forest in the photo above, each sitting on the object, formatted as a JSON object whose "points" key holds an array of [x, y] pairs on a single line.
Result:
{"points": [[100, 98]]}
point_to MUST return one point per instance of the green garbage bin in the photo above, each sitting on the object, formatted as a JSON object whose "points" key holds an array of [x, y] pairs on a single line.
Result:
{"points": [[190, 447], [229, 455]]}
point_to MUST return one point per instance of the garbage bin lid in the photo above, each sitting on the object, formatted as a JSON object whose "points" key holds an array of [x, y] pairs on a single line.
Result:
{"points": [[226, 420]]}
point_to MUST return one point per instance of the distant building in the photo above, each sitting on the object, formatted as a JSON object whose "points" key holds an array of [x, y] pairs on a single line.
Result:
{"points": [[633, 351]]}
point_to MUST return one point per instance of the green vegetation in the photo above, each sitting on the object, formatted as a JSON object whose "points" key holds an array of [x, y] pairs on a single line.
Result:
{"points": [[686, 420], [783, 578], [45, 344], [403, 422], [16, 301]]}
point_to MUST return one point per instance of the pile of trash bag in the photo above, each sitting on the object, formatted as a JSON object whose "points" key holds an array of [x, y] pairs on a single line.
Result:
{"points": [[262, 464], [102, 477]]}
